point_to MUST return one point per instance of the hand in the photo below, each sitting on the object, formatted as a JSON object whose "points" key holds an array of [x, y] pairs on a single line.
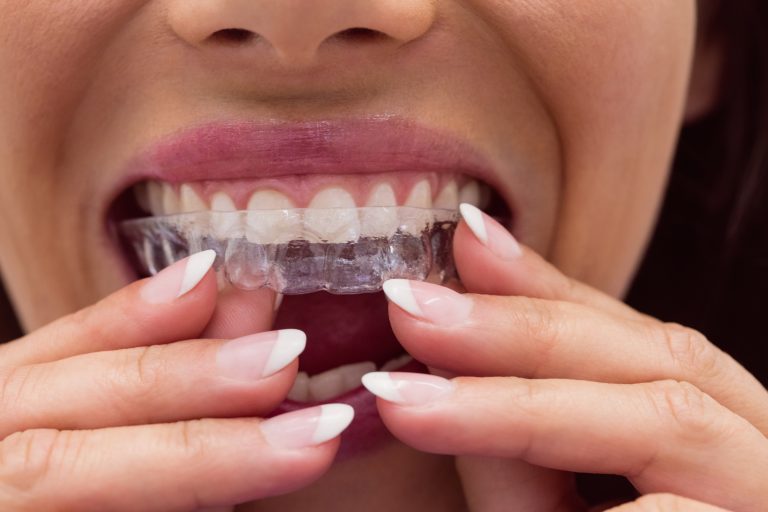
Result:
{"points": [[563, 377], [101, 409]]}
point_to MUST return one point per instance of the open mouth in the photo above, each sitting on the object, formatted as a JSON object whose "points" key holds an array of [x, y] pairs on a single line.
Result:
{"points": [[348, 335]]}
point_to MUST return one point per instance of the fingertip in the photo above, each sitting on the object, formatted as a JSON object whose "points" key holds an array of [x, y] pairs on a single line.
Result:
{"points": [[178, 279], [308, 427]]}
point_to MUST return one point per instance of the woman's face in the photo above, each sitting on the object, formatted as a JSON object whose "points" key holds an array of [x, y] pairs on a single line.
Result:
{"points": [[573, 107], [568, 108]]}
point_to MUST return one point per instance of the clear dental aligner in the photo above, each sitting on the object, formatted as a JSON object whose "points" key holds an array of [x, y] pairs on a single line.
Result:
{"points": [[303, 250]]}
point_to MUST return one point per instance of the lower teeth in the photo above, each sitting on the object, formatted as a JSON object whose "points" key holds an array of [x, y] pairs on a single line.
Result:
{"points": [[332, 383], [415, 244]]}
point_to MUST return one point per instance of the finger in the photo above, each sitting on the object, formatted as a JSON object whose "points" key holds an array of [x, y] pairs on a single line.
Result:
{"points": [[490, 261], [492, 484], [207, 378], [240, 312], [664, 436], [534, 338], [666, 503], [182, 466], [175, 304]]}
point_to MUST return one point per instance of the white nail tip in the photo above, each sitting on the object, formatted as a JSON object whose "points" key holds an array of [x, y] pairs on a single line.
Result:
{"points": [[197, 266], [382, 385], [474, 219], [290, 343], [399, 291], [334, 419]]}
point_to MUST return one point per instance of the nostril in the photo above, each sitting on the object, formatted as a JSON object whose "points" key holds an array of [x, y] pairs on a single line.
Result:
{"points": [[360, 34], [232, 36]]}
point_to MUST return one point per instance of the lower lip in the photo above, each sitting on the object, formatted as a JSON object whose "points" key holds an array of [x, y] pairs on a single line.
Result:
{"points": [[367, 432]]}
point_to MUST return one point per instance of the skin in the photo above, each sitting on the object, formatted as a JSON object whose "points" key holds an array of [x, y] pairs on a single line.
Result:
{"points": [[577, 104]]}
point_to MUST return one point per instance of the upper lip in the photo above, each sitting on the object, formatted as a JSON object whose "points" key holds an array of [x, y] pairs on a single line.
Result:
{"points": [[257, 149]]}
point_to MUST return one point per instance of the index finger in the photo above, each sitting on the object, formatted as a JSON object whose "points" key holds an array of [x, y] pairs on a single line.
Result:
{"points": [[490, 261], [176, 304]]}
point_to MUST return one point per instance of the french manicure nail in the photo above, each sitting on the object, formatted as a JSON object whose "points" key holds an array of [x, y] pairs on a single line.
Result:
{"points": [[411, 389], [260, 355], [178, 279], [307, 427], [490, 233], [433, 303]]}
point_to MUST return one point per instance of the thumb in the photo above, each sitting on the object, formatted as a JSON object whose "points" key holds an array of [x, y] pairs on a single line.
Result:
{"points": [[240, 312], [493, 484]]}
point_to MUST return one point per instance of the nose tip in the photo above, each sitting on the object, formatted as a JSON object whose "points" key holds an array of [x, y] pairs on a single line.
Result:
{"points": [[296, 30]]}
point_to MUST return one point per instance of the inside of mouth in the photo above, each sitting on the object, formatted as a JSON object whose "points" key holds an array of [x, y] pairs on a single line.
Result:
{"points": [[306, 253]]}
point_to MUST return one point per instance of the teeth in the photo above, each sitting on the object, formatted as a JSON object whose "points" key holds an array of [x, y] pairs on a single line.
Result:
{"points": [[330, 216], [382, 195], [142, 196], [223, 225], [380, 221], [448, 198], [221, 202], [470, 193], [170, 199], [337, 381], [155, 198], [397, 363], [325, 218], [190, 201], [420, 196], [332, 383], [275, 226], [300, 390]]}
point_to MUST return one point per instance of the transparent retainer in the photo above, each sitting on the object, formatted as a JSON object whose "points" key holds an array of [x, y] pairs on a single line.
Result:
{"points": [[297, 251]]}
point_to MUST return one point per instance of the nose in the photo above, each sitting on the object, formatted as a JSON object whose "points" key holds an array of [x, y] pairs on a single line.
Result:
{"points": [[297, 30]]}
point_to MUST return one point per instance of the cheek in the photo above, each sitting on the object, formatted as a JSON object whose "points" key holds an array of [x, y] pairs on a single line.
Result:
{"points": [[614, 75], [48, 52]]}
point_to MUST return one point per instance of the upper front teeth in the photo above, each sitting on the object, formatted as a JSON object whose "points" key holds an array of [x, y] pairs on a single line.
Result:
{"points": [[330, 213], [190, 201], [161, 198], [333, 225]]}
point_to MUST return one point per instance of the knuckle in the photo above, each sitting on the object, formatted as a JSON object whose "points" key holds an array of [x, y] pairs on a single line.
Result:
{"points": [[690, 413], [540, 321], [134, 381], [26, 458], [192, 438], [33, 462], [143, 370], [12, 384], [17, 385], [690, 351]]}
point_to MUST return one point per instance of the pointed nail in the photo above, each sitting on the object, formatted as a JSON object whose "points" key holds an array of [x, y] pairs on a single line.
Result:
{"points": [[430, 302], [490, 233], [307, 427], [260, 355], [410, 389], [178, 279]]}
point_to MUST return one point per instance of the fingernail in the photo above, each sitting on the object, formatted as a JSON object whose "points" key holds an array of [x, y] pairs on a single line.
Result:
{"points": [[178, 279], [490, 233], [433, 303], [407, 388], [260, 355], [307, 427]]}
